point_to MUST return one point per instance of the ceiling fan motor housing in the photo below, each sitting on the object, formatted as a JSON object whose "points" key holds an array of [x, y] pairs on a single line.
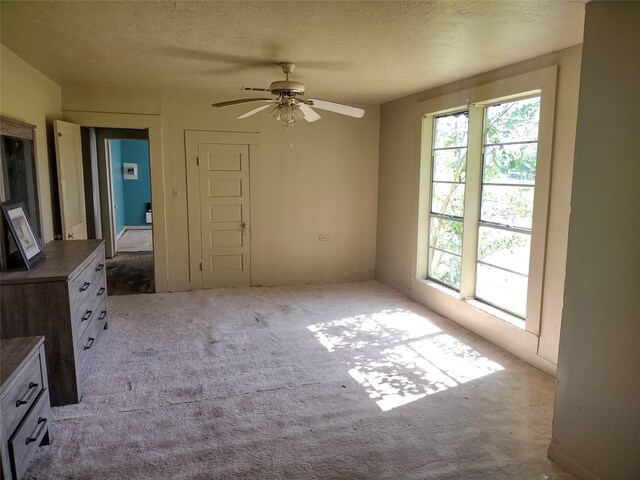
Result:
{"points": [[287, 87]]}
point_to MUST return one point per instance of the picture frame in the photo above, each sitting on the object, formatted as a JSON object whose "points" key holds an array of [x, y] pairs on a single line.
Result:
{"points": [[21, 237], [130, 171]]}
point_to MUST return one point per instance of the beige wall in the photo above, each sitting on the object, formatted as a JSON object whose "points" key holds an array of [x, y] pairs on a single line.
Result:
{"points": [[27, 95], [596, 424], [397, 201], [326, 184]]}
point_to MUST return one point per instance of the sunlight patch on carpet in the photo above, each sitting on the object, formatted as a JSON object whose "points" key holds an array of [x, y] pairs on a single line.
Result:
{"points": [[398, 356]]}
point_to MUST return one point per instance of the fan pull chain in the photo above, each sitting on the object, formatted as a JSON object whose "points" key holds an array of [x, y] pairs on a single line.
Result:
{"points": [[290, 141]]}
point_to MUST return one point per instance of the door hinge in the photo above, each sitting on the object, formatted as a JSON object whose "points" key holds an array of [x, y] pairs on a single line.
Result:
{"points": [[198, 161], [201, 267]]}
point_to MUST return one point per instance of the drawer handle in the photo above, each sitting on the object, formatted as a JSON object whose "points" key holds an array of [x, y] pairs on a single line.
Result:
{"points": [[99, 267], [86, 315], [34, 388], [100, 292], [84, 286], [43, 423], [102, 315], [89, 343]]}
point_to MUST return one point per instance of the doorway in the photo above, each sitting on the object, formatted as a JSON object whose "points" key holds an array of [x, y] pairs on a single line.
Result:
{"points": [[124, 214]]}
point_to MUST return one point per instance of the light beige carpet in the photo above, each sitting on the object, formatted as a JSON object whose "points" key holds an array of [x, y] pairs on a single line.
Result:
{"points": [[135, 240], [345, 381]]}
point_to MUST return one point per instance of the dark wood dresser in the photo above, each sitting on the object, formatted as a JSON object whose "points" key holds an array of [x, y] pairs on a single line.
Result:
{"points": [[64, 298], [25, 423]]}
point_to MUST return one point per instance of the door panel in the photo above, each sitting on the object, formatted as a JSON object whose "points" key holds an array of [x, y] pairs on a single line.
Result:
{"points": [[70, 179], [226, 238], [224, 215], [225, 187]]}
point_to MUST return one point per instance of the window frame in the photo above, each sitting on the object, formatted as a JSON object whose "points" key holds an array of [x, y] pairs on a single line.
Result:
{"points": [[474, 100], [444, 216]]}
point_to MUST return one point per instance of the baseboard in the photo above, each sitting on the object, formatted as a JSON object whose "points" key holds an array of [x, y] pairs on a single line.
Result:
{"points": [[176, 287], [392, 283], [138, 227], [569, 464], [314, 278]]}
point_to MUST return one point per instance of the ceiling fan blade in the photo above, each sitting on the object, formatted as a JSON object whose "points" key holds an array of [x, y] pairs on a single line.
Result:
{"points": [[254, 111], [338, 108], [238, 102], [309, 114], [252, 89]]}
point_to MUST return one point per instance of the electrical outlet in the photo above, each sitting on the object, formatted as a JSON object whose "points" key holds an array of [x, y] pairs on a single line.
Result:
{"points": [[324, 237]]}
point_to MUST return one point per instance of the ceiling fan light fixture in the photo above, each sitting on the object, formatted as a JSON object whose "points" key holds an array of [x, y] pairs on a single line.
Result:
{"points": [[275, 113], [286, 114]]}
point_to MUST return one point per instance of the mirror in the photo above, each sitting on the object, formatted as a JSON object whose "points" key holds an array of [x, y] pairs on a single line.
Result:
{"points": [[18, 171]]}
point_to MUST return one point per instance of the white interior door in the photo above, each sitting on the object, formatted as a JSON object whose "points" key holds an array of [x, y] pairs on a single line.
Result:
{"points": [[224, 215], [70, 179]]}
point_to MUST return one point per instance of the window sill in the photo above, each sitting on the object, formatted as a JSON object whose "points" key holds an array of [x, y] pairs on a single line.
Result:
{"points": [[496, 312], [493, 311]]}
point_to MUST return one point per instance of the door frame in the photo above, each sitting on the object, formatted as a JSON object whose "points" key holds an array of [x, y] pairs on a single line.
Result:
{"points": [[105, 180], [153, 124], [192, 139]]}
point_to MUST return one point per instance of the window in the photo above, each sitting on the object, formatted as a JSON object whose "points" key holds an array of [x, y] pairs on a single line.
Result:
{"points": [[506, 191], [483, 167], [509, 151], [447, 198], [483, 199]]}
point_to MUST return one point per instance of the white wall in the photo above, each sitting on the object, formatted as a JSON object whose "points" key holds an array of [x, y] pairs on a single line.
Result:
{"points": [[596, 425], [326, 184], [27, 95], [399, 168]]}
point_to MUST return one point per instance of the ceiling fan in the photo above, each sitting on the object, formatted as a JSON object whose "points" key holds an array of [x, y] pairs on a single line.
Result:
{"points": [[289, 106]]}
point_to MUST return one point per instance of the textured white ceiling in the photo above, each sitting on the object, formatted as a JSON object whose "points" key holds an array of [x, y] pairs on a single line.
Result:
{"points": [[358, 52]]}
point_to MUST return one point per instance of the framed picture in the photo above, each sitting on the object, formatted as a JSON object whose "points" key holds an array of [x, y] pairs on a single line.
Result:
{"points": [[21, 236], [130, 171]]}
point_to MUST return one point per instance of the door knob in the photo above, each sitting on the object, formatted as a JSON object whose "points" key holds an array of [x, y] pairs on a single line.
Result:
{"points": [[245, 228]]}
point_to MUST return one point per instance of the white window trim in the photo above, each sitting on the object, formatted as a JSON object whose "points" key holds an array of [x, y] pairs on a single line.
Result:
{"points": [[540, 82]]}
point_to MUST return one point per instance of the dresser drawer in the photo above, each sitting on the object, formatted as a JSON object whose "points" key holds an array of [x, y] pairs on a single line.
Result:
{"points": [[83, 313], [98, 265], [17, 401], [88, 282], [101, 314], [80, 287], [86, 346], [25, 442]]}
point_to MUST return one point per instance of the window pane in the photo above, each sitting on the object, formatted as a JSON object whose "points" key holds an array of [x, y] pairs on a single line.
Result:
{"points": [[505, 249], [446, 235], [511, 206], [444, 267], [451, 131], [513, 121], [503, 289], [510, 163], [449, 165], [448, 198]]}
